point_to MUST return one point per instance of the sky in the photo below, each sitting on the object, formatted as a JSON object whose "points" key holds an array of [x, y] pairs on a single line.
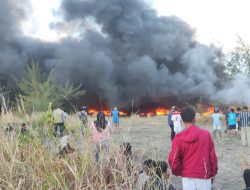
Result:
{"points": [[215, 21]]}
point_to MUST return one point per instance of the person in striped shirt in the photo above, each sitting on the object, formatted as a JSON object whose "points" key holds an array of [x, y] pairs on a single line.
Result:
{"points": [[244, 117]]}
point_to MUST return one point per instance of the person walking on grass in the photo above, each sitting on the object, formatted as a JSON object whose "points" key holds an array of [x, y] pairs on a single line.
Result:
{"points": [[216, 116], [83, 116], [232, 123], [192, 155], [238, 122], [101, 133], [170, 122], [115, 117], [226, 112], [244, 118], [177, 121], [59, 116]]}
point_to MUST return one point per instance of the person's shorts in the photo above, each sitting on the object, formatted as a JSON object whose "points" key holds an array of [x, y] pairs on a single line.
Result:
{"points": [[231, 127], [217, 127]]}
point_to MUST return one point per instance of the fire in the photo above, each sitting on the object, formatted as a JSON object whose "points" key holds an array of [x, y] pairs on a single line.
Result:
{"points": [[209, 111], [92, 111], [122, 113], [161, 111], [147, 114], [106, 112]]}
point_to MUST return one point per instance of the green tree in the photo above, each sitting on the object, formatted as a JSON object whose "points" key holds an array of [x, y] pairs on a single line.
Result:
{"points": [[238, 60], [38, 89]]}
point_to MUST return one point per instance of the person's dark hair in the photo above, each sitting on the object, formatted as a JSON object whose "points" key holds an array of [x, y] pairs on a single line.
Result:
{"points": [[188, 114], [126, 149], [245, 108], [24, 125], [100, 122], [232, 110], [246, 176], [149, 163], [238, 109], [83, 108], [216, 110], [162, 167]]}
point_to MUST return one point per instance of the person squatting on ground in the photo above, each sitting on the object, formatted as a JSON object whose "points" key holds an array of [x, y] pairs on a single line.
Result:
{"points": [[231, 123], [216, 116], [170, 122], [83, 116], [153, 176], [101, 133], [177, 121], [24, 130], [65, 145], [244, 118], [192, 155], [246, 176], [115, 116], [59, 116], [127, 156]]}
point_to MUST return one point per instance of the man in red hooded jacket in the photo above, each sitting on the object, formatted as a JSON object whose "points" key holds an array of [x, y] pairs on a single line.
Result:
{"points": [[193, 155]]}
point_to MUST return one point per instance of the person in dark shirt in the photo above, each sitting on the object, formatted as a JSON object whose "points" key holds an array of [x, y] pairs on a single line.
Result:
{"points": [[246, 176], [170, 122]]}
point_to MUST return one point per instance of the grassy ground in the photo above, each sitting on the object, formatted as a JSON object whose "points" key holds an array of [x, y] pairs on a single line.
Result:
{"points": [[35, 165], [150, 138]]}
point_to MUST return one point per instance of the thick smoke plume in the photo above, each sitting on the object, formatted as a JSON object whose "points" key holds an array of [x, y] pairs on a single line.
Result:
{"points": [[129, 53]]}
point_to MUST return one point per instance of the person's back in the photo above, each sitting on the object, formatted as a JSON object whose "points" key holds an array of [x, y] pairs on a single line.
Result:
{"points": [[244, 118], [115, 116], [195, 147], [83, 116], [101, 130], [58, 115], [99, 136], [231, 118], [193, 155], [216, 119], [176, 118]]}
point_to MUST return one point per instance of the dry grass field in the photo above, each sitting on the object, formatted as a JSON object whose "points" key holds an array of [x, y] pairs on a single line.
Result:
{"points": [[34, 164]]}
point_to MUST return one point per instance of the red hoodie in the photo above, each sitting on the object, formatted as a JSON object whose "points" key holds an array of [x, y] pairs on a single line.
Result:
{"points": [[193, 154]]}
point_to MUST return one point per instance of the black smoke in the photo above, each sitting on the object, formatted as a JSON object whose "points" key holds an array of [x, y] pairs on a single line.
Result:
{"points": [[133, 53], [128, 53]]}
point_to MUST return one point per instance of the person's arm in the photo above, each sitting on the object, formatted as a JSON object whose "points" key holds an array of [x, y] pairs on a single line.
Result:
{"points": [[239, 117], [172, 118], [174, 158], [213, 158]]}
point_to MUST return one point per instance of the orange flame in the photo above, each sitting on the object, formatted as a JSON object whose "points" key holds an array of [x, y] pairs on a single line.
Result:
{"points": [[92, 111], [209, 111], [106, 112], [122, 113], [161, 111]]}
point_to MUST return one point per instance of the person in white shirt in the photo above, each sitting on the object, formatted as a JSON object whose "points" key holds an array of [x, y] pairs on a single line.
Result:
{"points": [[177, 121]]}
